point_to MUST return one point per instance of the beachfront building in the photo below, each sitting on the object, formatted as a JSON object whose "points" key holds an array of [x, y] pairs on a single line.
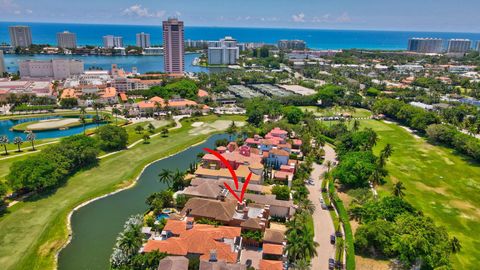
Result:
{"points": [[223, 52], [173, 44], [57, 69], [425, 45], [20, 36], [291, 44], [153, 51], [459, 45], [143, 40], [67, 40], [111, 41]]}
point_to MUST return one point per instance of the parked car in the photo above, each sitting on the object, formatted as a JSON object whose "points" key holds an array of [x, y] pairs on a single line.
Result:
{"points": [[331, 263], [332, 239], [338, 234], [324, 206]]}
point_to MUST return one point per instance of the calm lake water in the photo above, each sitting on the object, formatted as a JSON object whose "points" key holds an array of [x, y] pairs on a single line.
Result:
{"points": [[6, 125], [97, 225], [142, 63]]}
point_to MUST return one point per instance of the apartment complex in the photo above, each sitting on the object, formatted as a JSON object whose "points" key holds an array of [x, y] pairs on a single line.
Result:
{"points": [[20, 36], [425, 45], [2, 64], [173, 45], [111, 41], [143, 40], [57, 68], [199, 44], [291, 44], [223, 52], [459, 45], [66, 39]]}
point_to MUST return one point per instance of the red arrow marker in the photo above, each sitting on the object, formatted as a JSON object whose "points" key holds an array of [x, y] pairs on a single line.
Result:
{"points": [[226, 163], [233, 174]]}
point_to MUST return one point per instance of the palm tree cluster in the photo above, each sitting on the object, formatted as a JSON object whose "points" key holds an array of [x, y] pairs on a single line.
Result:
{"points": [[128, 242], [300, 239], [175, 180]]}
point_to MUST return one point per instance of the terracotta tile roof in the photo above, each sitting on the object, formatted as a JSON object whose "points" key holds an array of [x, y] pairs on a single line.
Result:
{"points": [[242, 171], [204, 265], [282, 175], [279, 152], [274, 236], [68, 93], [173, 263], [177, 227], [208, 189], [270, 265], [109, 92], [181, 103], [202, 93], [251, 223], [218, 210], [201, 239], [123, 97], [273, 249], [297, 142]]}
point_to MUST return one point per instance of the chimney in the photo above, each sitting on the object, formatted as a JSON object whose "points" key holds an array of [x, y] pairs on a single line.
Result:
{"points": [[213, 255]]}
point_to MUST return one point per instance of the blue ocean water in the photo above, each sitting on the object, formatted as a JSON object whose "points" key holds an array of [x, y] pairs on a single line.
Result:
{"points": [[45, 33]]}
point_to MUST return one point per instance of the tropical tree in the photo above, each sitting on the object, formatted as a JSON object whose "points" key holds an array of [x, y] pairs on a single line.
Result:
{"points": [[97, 106], [146, 137], [398, 189], [456, 246], [151, 128], [232, 129], [4, 142], [356, 125], [329, 165], [139, 129], [385, 154], [178, 180], [106, 117], [164, 132], [302, 264], [166, 177], [83, 120], [31, 138], [18, 142], [116, 112]]}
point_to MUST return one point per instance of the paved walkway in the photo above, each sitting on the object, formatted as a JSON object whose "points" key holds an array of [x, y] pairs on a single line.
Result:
{"points": [[321, 218]]}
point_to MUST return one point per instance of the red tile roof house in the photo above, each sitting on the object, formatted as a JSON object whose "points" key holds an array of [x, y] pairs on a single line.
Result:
{"points": [[273, 252], [270, 265], [207, 242]]}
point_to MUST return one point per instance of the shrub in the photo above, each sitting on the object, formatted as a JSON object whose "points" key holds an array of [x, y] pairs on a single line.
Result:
{"points": [[112, 138]]}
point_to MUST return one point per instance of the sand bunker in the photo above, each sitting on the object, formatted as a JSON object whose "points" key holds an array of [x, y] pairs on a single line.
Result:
{"points": [[219, 125], [52, 124]]}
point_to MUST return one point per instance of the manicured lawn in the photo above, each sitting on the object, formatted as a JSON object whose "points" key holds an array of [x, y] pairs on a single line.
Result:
{"points": [[443, 185], [33, 231], [325, 112]]}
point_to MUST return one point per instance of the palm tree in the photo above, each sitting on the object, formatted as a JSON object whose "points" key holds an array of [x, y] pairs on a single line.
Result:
{"points": [[398, 189], [232, 129], [455, 245], [116, 112], [106, 117], [31, 138], [302, 264], [3, 142], [166, 177], [164, 132], [385, 154], [356, 125], [307, 206], [83, 120], [376, 177], [329, 165], [18, 141], [97, 106], [178, 180]]}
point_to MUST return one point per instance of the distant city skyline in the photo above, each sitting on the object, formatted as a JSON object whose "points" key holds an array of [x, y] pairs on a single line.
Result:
{"points": [[448, 16]]}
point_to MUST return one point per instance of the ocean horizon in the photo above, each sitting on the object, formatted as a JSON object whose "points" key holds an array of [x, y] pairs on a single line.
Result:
{"points": [[45, 33]]}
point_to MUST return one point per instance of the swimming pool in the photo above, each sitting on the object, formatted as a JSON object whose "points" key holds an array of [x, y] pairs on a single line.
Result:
{"points": [[163, 216]]}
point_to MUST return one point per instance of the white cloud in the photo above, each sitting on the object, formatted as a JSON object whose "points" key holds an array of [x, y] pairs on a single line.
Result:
{"points": [[138, 11], [298, 17], [11, 7]]}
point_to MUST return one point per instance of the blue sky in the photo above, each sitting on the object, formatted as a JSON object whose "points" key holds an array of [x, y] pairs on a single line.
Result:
{"points": [[421, 15]]}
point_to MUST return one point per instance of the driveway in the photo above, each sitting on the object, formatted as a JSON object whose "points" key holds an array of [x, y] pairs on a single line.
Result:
{"points": [[321, 218]]}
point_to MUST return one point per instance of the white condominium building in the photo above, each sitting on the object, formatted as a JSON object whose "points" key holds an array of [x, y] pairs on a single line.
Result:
{"points": [[143, 40], [223, 52], [66, 39], [57, 69]]}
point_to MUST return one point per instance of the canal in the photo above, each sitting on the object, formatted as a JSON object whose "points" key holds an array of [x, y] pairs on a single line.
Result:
{"points": [[96, 225]]}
